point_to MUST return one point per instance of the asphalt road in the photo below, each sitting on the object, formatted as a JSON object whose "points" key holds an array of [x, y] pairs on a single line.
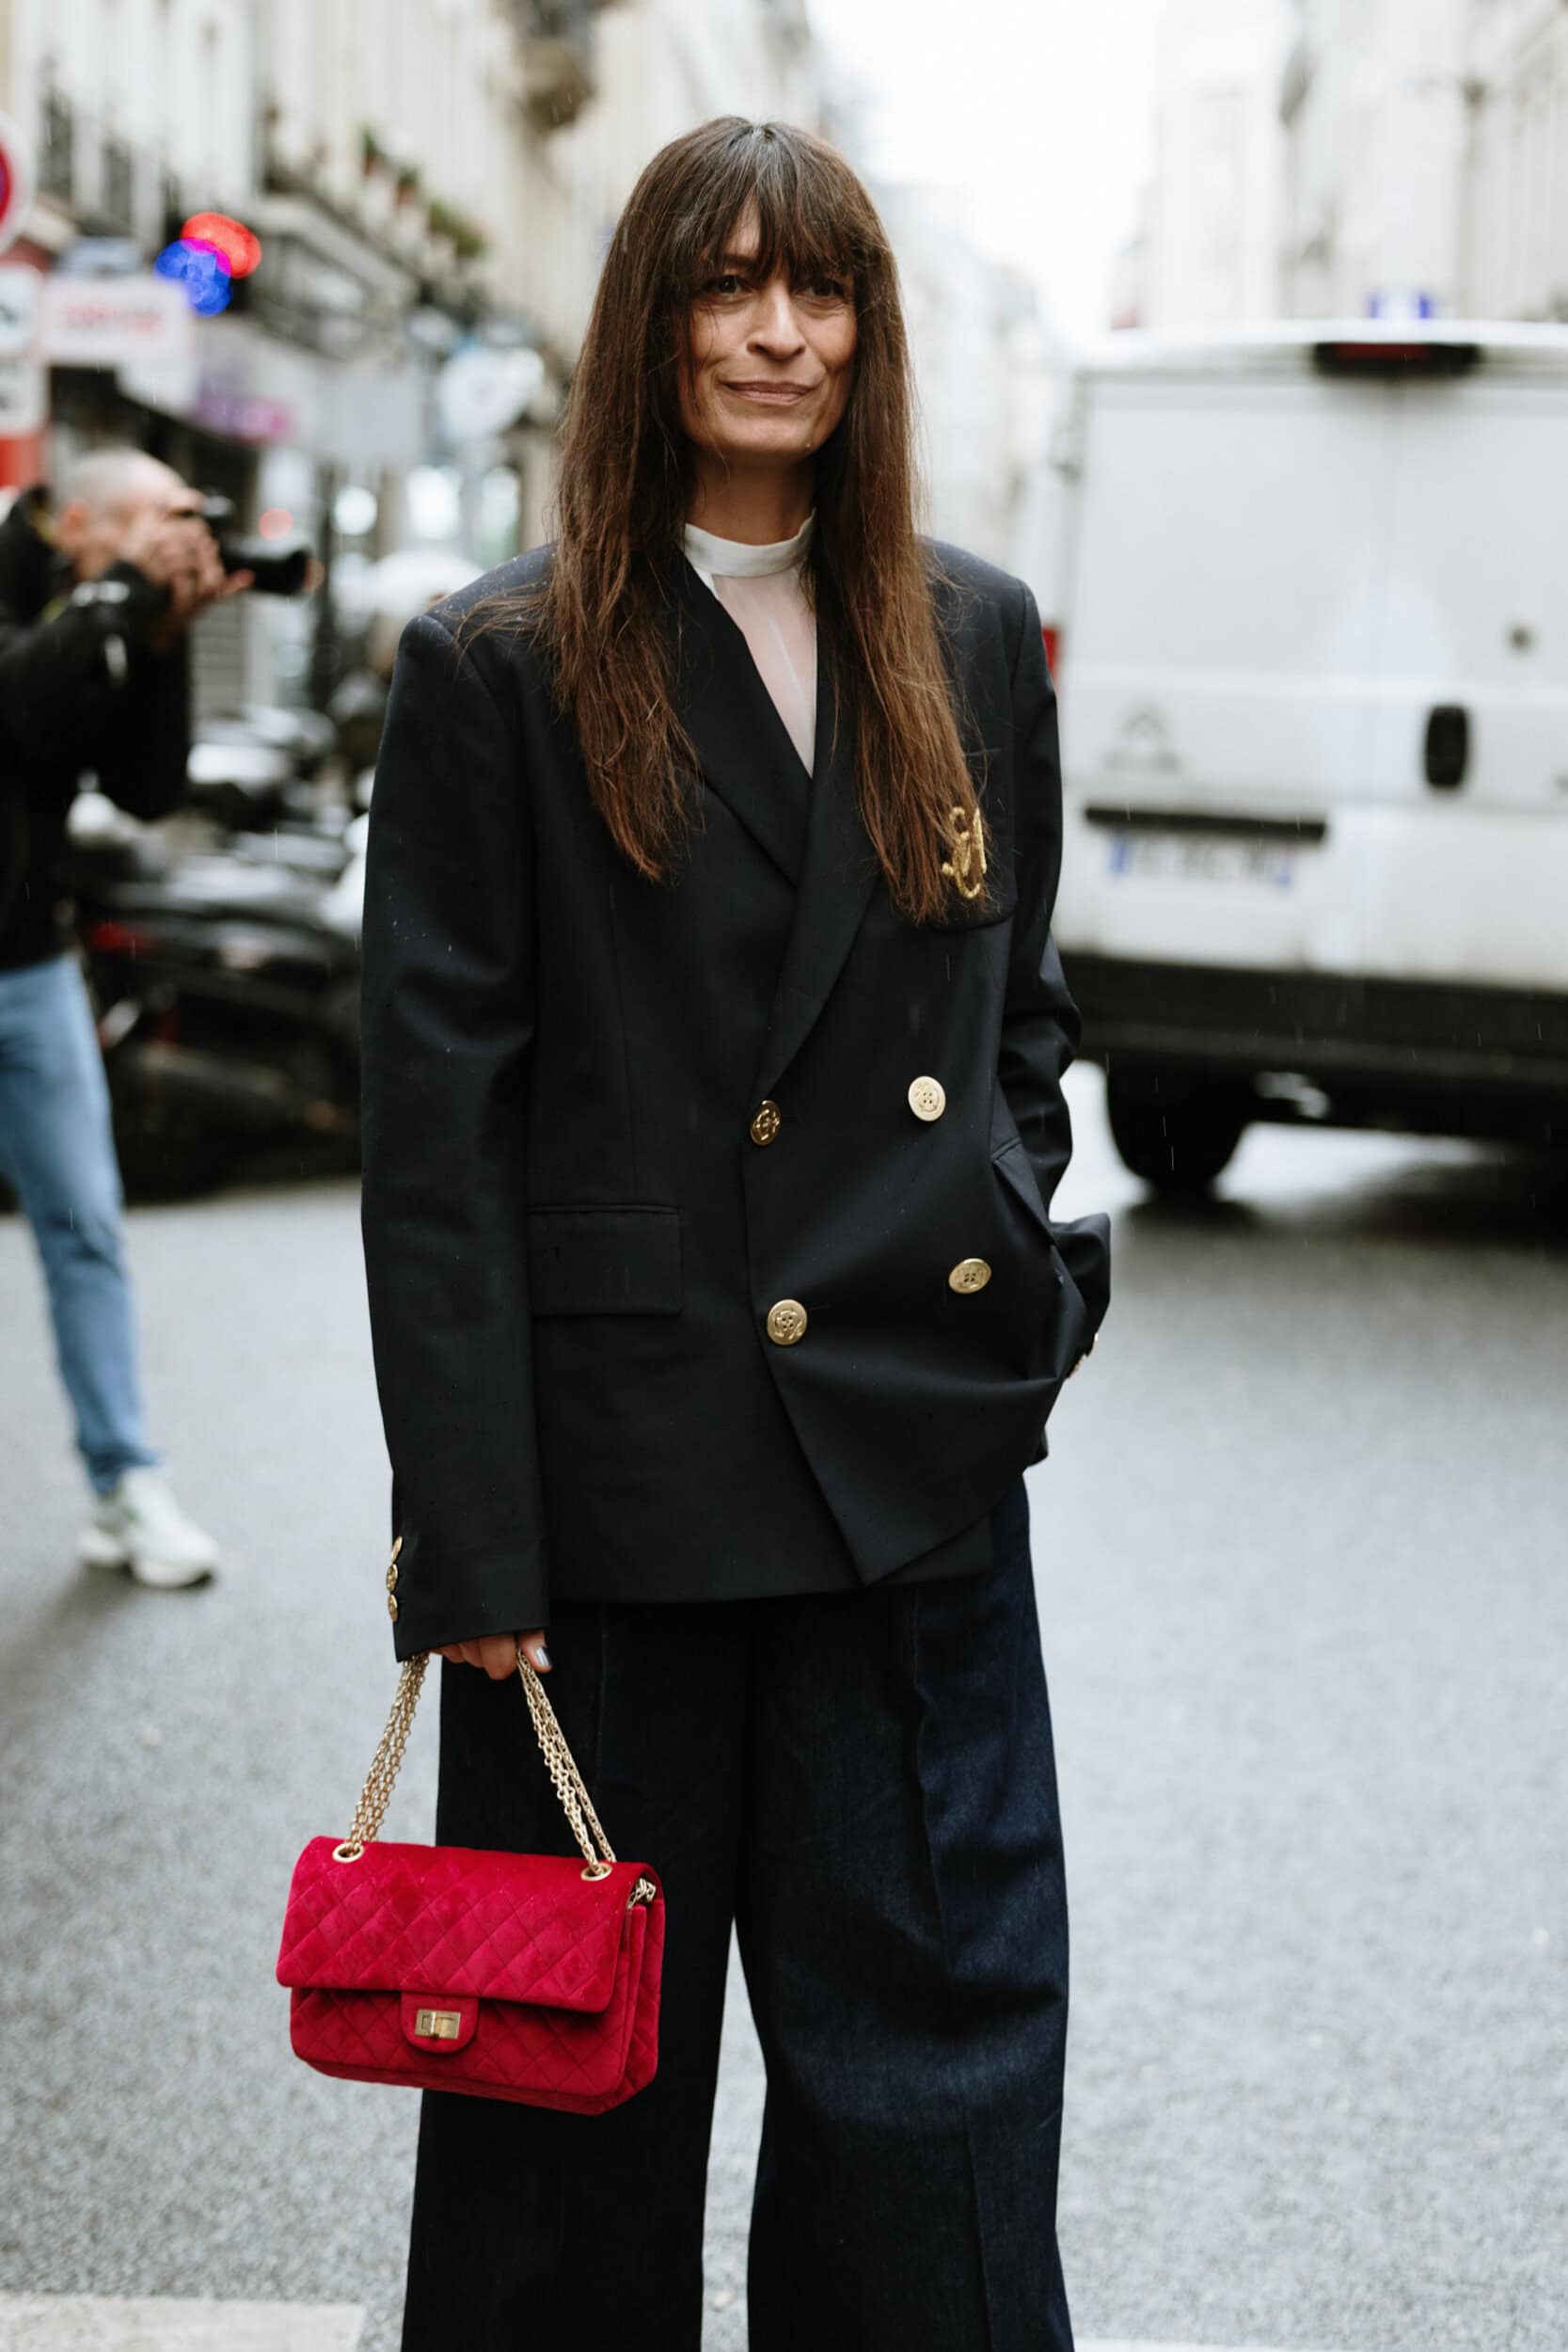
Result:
{"points": [[1301, 1556]]}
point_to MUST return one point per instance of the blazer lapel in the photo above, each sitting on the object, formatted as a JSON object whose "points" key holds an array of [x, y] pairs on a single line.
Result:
{"points": [[742, 745], [837, 877]]}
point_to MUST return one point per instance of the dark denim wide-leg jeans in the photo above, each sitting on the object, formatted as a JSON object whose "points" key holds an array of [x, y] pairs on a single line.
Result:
{"points": [[864, 1783]]}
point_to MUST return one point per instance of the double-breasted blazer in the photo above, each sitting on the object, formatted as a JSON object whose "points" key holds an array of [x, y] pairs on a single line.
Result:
{"points": [[708, 1223]]}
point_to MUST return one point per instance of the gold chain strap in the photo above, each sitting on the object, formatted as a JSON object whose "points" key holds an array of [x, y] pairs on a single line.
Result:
{"points": [[380, 1780], [560, 1763], [376, 1795]]}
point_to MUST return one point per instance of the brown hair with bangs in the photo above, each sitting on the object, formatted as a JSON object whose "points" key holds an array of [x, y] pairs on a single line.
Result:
{"points": [[628, 480]]}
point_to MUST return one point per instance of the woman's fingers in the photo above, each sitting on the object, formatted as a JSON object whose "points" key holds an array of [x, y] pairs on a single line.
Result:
{"points": [[497, 1653]]}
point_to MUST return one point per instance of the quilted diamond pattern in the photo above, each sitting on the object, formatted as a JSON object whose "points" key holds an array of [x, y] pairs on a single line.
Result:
{"points": [[454, 1920], [566, 1976]]}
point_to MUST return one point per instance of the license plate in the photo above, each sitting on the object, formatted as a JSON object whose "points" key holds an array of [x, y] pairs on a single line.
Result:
{"points": [[1202, 857]]}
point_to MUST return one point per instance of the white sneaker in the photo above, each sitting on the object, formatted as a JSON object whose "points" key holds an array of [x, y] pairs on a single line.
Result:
{"points": [[138, 1525]]}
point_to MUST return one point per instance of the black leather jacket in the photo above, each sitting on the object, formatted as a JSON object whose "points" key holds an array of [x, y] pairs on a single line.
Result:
{"points": [[80, 689]]}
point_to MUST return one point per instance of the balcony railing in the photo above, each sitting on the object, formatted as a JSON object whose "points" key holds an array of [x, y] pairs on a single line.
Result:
{"points": [[557, 37], [117, 184], [56, 148]]}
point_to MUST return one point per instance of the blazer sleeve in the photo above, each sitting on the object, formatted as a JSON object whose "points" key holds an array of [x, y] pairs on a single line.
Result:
{"points": [[448, 1013], [1040, 1023]]}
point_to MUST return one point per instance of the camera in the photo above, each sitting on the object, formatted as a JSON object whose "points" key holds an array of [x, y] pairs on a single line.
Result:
{"points": [[279, 571]]}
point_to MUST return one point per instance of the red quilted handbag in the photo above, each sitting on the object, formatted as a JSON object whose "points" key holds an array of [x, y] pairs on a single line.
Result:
{"points": [[526, 1976]]}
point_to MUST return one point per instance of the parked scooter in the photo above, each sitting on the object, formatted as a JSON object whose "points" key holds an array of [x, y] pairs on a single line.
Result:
{"points": [[257, 779], [226, 986]]}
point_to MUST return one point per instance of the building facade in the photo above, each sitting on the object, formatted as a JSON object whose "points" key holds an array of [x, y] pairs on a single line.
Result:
{"points": [[1427, 158], [134, 112], [668, 65], [433, 184], [1320, 158], [1514, 256], [1208, 248], [1375, 107], [433, 181], [985, 368]]}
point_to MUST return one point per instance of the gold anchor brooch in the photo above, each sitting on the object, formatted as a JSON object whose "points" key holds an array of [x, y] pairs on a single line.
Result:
{"points": [[966, 867]]}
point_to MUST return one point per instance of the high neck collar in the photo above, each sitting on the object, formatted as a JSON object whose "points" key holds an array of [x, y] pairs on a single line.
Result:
{"points": [[730, 559]]}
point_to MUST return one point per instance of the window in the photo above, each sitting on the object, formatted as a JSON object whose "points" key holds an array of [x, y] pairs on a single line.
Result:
{"points": [[56, 148]]}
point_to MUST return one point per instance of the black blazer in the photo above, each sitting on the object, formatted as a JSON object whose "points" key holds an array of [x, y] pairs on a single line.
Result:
{"points": [[575, 1224]]}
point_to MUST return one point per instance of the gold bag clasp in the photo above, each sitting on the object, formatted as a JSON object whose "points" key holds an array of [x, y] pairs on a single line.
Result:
{"points": [[437, 2025]]}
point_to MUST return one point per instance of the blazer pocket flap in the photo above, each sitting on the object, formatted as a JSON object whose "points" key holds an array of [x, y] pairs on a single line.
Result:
{"points": [[980, 916], [604, 1260]]}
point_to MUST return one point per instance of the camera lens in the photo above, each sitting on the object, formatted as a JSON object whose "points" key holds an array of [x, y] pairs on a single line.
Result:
{"points": [[278, 571]]}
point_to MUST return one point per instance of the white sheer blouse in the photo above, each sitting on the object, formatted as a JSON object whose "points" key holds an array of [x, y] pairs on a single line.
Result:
{"points": [[764, 594]]}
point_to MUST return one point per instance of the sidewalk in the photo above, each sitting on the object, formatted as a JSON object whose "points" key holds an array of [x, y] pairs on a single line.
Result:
{"points": [[91, 2324]]}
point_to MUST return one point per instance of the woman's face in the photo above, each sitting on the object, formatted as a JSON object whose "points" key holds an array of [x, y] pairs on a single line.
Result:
{"points": [[770, 364]]}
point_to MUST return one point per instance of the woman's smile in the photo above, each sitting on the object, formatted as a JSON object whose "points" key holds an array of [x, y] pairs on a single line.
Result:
{"points": [[772, 396]]}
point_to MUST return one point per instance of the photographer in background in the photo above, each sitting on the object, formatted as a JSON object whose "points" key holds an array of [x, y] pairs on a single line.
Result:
{"points": [[97, 588]]}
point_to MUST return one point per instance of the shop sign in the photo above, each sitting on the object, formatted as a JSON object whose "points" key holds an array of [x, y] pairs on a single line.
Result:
{"points": [[112, 321], [232, 409]]}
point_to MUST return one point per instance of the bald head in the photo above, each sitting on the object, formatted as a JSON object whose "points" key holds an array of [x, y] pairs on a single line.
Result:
{"points": [[111, 481], [104, 496]]}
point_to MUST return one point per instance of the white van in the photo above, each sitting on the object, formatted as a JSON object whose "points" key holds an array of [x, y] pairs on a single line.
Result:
{"points": [[1308, 589]]}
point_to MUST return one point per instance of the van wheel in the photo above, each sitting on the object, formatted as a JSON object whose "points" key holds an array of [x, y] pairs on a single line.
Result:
{"points": [[1178, 1139]]}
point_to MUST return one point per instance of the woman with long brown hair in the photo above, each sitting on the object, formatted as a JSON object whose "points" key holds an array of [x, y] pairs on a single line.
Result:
{"points": [[713, 1052]]}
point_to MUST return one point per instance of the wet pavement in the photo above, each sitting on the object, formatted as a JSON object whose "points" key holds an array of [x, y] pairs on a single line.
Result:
{"points": [[1301, 1556]]}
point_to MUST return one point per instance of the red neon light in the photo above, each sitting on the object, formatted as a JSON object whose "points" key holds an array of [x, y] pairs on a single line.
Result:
{"points": [[235, 245]]}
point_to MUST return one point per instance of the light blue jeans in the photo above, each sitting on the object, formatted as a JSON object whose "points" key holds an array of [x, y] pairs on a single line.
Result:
{"points": [[57, 1147]]}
